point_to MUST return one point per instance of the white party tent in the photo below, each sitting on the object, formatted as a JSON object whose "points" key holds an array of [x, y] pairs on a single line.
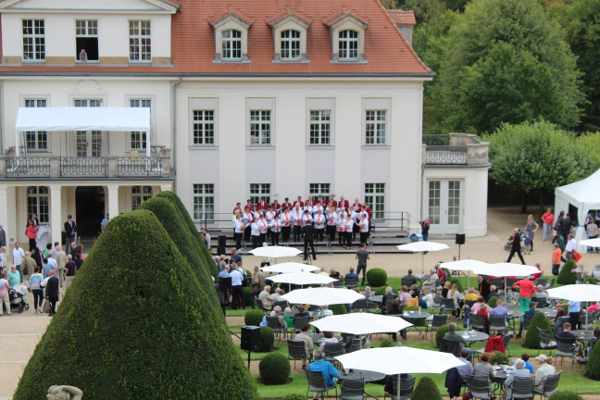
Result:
{"points": [[585, 195]]}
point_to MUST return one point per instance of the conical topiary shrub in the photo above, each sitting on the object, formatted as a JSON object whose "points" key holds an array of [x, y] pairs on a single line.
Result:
{"points": [[532, 337], [426, 390], [565, 276], [191, 228], [592, 368], [171, 220], [137, 324], [492, 302]]}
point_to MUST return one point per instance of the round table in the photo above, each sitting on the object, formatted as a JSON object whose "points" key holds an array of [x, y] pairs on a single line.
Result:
{"points": [[583, 334], [550, 312], [414, 315], [474, 336], [376, 299], [500, 377], [512, 315], [368, 376]]}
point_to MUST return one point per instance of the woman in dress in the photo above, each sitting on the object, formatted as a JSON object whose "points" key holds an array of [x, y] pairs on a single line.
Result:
{"points": [[31, 233], [38, 293]]}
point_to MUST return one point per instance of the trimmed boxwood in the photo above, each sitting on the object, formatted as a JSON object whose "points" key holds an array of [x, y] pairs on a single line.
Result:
{"points": [[415, 322], [246, 296], [532, 337], [592, 368], [565, 276], [591, 280], [498, 358], [376, 277], [426, 389], [492, 302], [293, 397], [442, 330], [253, 317], [380, 291], [387, 343], [137, 324], [267, 339], [274, 369], [338, 309], [564, 395]]}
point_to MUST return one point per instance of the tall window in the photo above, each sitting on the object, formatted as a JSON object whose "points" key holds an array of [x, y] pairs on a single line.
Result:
{"points": [[139, 194], [137, 139], [435, 198], [375, 127], [231, 45], [89, 143], [290, 45], [319, 189], [348, 45], [260, 127], [139, 41], [86, 38], [204, 127], [204, 201], [36, 140], [320, 127], [258, 190], [375, 197], [38, 203], [34, 41]]}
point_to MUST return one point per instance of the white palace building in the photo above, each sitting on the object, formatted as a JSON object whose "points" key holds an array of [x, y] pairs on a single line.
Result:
{"points": [[103, 104]]}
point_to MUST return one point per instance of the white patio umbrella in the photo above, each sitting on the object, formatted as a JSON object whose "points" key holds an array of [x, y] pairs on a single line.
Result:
{"points": [[580, 293], [422, 247], [302, 278], [400, 360], [275, 251], [289, 267], [508, 269], [591, 242], [466, 265], [361, 323], [322, 296]]}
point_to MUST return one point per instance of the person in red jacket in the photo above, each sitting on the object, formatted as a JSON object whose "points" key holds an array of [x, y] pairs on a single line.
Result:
{"points": [[548, 219], [525, 293], [249, 205]]}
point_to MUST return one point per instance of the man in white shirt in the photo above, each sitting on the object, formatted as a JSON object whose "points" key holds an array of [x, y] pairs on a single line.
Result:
{"points": [[542, 372], [286, 221], [255, 232], [571, 247], [236, 288], [297, 216], [18, 255], [319, 225], [332, 218]]}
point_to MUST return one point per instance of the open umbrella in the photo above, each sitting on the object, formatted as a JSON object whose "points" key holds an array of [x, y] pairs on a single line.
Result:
{"points": [[422, 247], [361, 323], [591, 242], [275, 251], [467, 265], [302, 278], [322, 296], [400, 360], [580, 293], [508, 269], [289, 267]]}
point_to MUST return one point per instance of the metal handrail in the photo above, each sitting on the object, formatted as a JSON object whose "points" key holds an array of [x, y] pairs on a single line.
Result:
{"points": [[446, 154], [84, 166], [27, 166], [139, 166]]}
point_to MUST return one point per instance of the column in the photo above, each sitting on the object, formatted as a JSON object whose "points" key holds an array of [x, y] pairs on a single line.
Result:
{"points": [[4, 214], [56, 219], [113, 200]]}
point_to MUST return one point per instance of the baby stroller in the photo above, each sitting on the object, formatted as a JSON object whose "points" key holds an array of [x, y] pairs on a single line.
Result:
{"points": [[508, 244], [17, 296]]}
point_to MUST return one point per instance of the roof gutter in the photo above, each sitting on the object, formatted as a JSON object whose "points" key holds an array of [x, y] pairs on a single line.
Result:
{"points": [[174, 116]]}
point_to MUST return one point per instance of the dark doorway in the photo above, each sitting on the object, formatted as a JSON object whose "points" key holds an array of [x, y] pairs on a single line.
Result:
{"points": [[90, 44], [89, 202]]}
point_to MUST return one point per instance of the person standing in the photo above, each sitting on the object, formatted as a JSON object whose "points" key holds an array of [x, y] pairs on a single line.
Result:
{"points": [[70, 230], [308, 232], [238, 230], [575, 314], [556, 256], [257, 285], [28, 264], [362, 256], [285, 220], [61, 261], [592, 232], [548, 219], [31, 234], [526, 291], [236, 289], [4, 288], [275, 231], [425, 225], [349, 227], [363, 225], [530, 227], [103, 223], [571, 247], [319, 224], [2, 237], [18, 255], [255, 233], [38, 293], [566, 227], [516, 246], [52, 291], [331, 222]]}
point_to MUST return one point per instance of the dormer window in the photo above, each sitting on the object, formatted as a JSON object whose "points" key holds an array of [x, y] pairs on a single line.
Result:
{"points": [[231, 45], [231, 38], [347, 38], [289, 37]]}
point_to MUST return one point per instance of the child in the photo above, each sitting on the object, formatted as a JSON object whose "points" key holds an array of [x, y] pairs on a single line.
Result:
{"points": [[527, 247]]}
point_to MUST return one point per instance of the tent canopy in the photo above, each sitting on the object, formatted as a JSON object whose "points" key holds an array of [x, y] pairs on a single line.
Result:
{"points": [[83, 119]]}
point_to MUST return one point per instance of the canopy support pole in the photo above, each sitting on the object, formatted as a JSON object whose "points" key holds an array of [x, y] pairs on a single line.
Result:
{"points": [[147, 133]]}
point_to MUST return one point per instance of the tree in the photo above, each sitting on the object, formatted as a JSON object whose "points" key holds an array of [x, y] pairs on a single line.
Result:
{"points": [[137, 324], [507, 62]]}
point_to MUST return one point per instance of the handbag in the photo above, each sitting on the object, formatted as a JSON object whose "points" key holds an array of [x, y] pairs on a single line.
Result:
{"points": [[576, 256], [46, 308]]}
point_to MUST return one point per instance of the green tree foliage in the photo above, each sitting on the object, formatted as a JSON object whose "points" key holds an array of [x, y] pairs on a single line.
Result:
{"points": [[253, 317], [532, 337], [376, 277], [274, 369], [565, 276], [426, 390], [137, 324], [592, 368], [507, 61]]}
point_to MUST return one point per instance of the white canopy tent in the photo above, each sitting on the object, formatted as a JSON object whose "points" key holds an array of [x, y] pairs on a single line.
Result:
{"points": [[585, 195], [110, 119]]}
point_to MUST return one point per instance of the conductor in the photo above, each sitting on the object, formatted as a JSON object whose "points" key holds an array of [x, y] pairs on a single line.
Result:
{"points": [[308, 231]]}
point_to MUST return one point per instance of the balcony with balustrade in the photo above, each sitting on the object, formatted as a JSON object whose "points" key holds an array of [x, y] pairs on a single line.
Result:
{"points": [[454, 149]]}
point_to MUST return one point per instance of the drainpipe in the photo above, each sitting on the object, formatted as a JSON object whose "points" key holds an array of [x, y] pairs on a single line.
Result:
{"points": [[175, 133]]}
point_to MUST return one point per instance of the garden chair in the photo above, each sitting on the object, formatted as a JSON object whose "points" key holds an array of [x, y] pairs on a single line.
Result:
{"points": [[478, 322], [546, 342], [332, 350], [566, 348], [360, 305], [351, 282], [316, 384], [498, 323], [353, 389], [479, 386], [448, 306], [297, 351], [437, 322], [522, 387], [550, 386], [407, 386], [298, 322], [451, 346], [273, 323]]}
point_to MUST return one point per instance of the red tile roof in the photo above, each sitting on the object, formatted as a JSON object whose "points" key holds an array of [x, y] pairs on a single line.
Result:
{"points": [[402, 17], [193, 44]]}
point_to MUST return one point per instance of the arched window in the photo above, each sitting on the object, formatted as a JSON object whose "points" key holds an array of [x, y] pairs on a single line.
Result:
{"points": [[231, 45], [139, 194], [348, 45], [38, 203], [290, 45]]}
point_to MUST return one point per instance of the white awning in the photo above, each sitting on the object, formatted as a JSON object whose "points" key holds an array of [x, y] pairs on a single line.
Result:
{"points": [[83, 119]]}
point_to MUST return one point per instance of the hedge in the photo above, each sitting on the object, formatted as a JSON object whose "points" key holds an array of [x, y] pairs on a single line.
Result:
{"points": [[246, 297], [274, 369], [137, 324], [191, 227], [426, 389], [532, 337], [188, 246], [387, 343], [591, 280], [267, 339], [338, 309], [253, 317], [592, 368], [376, 277], [380, 291], [498, 358], [492, 302], [563, 395], [293, 397], [441, 332], [565, 276]]}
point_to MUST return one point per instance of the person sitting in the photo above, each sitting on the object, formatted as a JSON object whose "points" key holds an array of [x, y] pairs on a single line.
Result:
{"points": [[304, 336], [500, 310], [477, 305], [550, 362], [277, 313], [593, 307], [349, 340], [528, 366], [325, 312], [560, 311], [493, 293], [566, 334], [483, 367], [446, 289], [367, 292], [404, 296], [410, 278], [389, 295], [351, 274], [457, 296], [532, 311], [453, 335], [395, 310], [581, 273], [428, 298], [266, 298], [334, 274], [466, 369], [594, 340], [302, 312], [596, 272], [389, 382], [472, 295], [414, 291], [483, 310], [431, 283], [540, 292], [542, 372], [518, 371], [325, 368], [327, 338]]}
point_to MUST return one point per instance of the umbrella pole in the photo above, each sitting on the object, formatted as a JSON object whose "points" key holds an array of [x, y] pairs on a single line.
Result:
{"points": [[422, 262], [398, 391]]}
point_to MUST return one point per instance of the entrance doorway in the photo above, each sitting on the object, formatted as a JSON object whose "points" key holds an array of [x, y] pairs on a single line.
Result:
{"points": [[445, 206], [90, 204]]}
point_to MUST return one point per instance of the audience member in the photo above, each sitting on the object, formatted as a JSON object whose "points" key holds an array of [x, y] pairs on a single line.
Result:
{"points": [[518, 371], [326, 368], [543, 371]]}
